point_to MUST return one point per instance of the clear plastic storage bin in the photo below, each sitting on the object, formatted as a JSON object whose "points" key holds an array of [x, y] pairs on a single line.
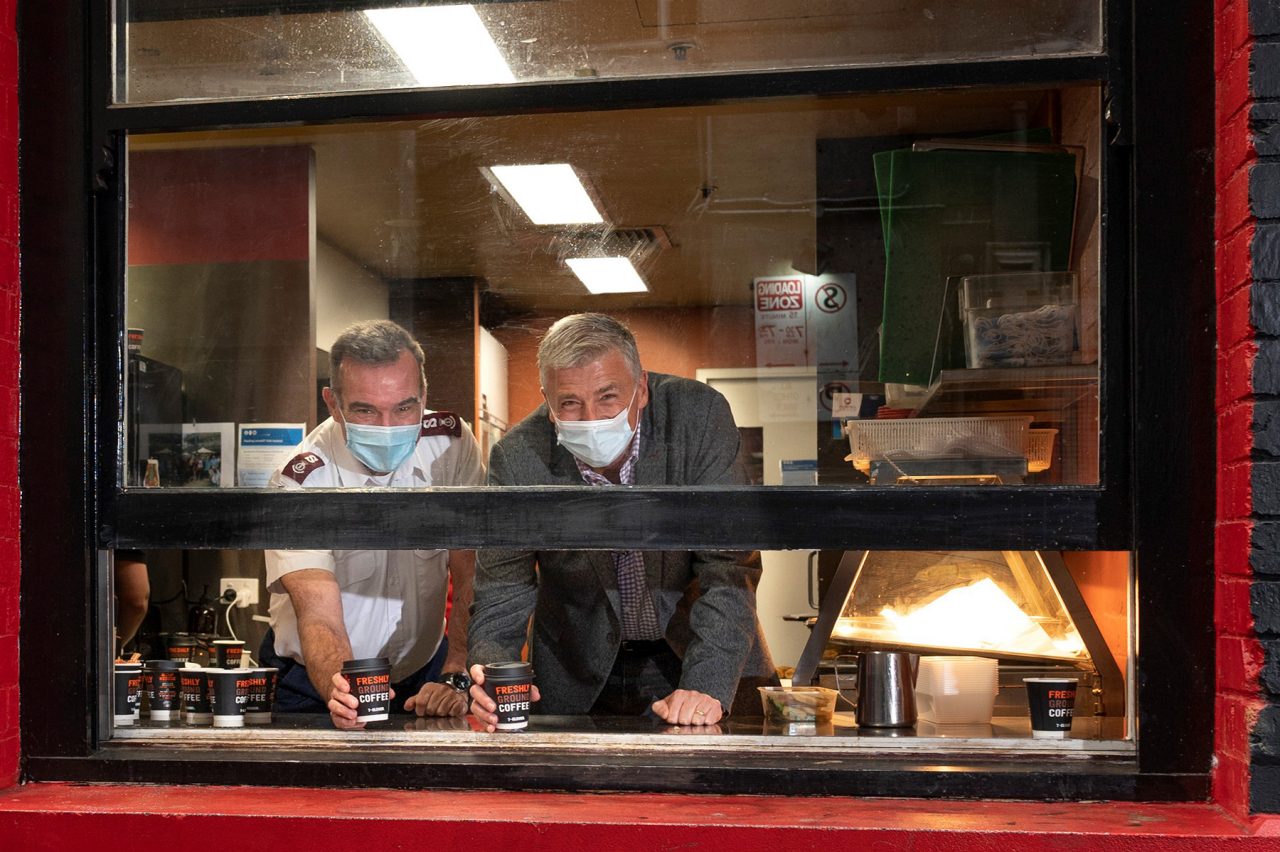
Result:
{"points": [[1024, 319]]}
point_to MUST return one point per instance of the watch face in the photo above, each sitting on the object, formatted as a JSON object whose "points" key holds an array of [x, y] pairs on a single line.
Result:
{"points": [[458, 680]]}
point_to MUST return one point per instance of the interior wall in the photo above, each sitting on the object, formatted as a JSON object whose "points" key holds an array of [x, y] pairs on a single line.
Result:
{"points": [[345, 293], [441, 314], [677, 341]]}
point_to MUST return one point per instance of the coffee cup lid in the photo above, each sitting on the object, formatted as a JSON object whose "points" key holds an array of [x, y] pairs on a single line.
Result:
{"points": [[165, 665], [515, 669], [228, 641], [1051, 680], [367, 663]]}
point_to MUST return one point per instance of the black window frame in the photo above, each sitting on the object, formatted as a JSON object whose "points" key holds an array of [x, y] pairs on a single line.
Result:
{"points": [[1157, 421]]}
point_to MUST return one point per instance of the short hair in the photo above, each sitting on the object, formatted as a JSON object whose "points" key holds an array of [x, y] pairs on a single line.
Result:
{"points": [[579, 339], [373, 342]]}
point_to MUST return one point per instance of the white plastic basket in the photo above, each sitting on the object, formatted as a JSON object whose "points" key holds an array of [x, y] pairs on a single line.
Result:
{"points": [[935, 437]]}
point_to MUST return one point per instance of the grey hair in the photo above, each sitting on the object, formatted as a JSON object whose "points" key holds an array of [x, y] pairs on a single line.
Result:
{"points": [[579, 339], [373, 342]]}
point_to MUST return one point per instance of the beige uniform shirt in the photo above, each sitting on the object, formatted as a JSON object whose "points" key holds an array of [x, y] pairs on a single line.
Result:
{"points": [[393, 601]]}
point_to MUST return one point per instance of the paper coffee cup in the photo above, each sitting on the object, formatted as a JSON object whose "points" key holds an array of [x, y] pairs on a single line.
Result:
{"points": [[128, 692], [194, 687], [225, 653], [160, 680], [229, 696], [180, 646], [1052, 701], [510, 686], [370, 682], [262, 694]]}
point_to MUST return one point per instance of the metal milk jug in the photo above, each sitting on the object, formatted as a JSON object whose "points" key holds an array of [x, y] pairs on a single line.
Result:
{"points": [[887, 689]]}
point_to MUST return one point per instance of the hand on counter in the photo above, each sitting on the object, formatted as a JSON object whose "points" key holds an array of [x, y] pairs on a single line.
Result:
{"points": [[437, 699], [482, 706], [688, 707], [343, 706]]}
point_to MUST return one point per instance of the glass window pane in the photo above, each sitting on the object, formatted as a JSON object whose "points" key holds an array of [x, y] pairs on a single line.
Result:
{"points": [[885, 290], [969, 684], [173, 50]]}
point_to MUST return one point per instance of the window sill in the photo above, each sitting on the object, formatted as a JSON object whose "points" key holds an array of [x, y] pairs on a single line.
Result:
{"points": [[577, 734]]}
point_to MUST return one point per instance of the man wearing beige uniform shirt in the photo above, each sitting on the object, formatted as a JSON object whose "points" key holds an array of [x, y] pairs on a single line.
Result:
{"points": [[329, 606]]}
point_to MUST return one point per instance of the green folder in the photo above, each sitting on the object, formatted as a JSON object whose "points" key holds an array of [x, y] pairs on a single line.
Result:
{"points": [[962, 208]]}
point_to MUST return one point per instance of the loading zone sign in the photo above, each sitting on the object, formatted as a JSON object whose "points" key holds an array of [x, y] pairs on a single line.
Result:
{"points": [[781, 330]]}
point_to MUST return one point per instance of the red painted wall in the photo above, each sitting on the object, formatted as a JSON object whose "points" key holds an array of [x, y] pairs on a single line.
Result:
{"points": [[218, 205], [1239, 655], [9, 553]]}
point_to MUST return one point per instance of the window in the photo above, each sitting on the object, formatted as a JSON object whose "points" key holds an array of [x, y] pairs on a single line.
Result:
{"points": [[236, 233]]}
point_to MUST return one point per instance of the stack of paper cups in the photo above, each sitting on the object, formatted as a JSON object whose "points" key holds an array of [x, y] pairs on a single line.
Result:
{"points": [[956, 690]]}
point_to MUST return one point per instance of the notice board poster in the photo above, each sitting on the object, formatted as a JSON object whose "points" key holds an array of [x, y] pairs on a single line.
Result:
{"points": [[264, 447], [811, 321]]}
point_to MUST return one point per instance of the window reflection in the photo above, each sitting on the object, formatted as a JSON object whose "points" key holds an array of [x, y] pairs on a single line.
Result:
{"points": [[824, 265], [209, 50]]}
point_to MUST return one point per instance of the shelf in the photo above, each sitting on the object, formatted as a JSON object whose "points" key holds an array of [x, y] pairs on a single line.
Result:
{"points": [[1042, 392]]}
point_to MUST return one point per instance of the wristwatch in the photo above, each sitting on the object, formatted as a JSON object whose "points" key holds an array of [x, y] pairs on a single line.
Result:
{"points": [[460, 681]]}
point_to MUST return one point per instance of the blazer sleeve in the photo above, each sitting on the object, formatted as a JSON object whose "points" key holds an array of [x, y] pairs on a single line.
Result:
{"points": [[722, 620], [506, 590]]}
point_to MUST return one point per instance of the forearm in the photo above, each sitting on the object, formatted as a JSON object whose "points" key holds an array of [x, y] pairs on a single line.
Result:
{"points": [[505, 593], [723, 625], [325, 647], [462, 573], [317, 604]]}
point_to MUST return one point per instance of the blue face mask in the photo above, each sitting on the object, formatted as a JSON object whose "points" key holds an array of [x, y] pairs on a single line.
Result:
{"points": [[382, 449]]}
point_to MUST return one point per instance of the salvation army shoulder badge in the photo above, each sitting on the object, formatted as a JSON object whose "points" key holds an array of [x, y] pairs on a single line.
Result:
{"points": [[300, 466], [441, 423]]}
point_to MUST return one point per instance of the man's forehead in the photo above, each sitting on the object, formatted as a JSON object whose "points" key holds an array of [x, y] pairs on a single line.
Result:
{"points": [[592, 377], [577, 388], [396, 377]]}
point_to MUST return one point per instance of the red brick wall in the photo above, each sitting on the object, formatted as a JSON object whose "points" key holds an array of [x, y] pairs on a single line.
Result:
{"points": [[1247, 554], [9, 555]]}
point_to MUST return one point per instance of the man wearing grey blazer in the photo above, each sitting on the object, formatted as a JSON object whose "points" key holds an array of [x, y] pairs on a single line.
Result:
{"points": [[621, 632]]}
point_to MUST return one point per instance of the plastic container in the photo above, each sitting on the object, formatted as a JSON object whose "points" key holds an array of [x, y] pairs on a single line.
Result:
{"points": [[1040, 449], [936, 437], [956, 690], [1023, 319], [798, 703]]}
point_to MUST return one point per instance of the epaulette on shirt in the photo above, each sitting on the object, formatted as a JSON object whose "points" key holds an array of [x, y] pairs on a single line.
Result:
{"points": [[301, 465], [441, 423]]}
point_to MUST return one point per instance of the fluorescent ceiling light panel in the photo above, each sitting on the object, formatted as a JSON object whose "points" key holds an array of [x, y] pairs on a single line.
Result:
{"points": [[607, 274], [442, 45], [549, 194]]}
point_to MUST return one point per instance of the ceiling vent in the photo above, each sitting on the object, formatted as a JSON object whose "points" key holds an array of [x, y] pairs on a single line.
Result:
{"points": [[639, 245]]}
